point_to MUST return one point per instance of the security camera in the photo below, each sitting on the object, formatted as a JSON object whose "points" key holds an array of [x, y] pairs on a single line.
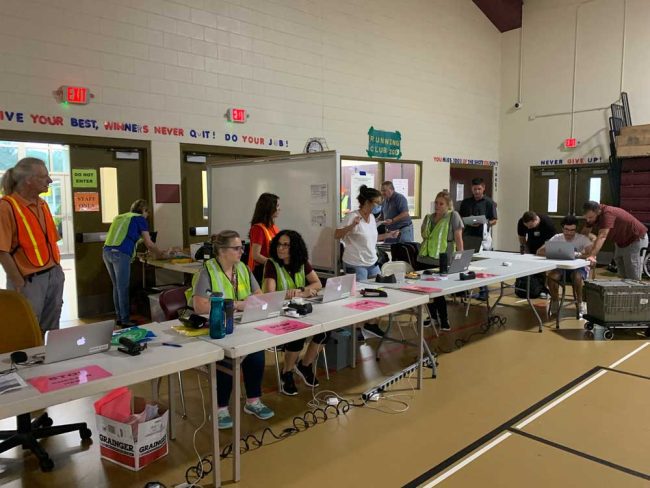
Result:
{"points": [[518, 105]]}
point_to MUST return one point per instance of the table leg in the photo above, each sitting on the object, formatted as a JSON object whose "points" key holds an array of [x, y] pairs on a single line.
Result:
{"points": [[421, 346], [236, 441], [353, 328], [559, 308], [216, 459], [171, 392], [530, 303]]}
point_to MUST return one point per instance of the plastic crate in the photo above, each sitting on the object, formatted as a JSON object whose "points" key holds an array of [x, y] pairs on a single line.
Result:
{"points": [[618, 300]]}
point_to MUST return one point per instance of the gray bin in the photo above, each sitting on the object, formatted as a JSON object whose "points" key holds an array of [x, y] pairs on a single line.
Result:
{"points": [[339, 349], [618, 300]]}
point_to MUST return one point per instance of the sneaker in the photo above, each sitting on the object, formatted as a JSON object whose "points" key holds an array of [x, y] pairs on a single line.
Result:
{"points": [[374, 329], [307, 374], [258, 409], [543, 295], [582, 308], [224, 419], [288, 386], [553, 307], [445, 326]]}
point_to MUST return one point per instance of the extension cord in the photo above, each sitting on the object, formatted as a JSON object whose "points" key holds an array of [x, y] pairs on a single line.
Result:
{"points": [[374, 397], [369, 394], [333, 401], [187, 485]]}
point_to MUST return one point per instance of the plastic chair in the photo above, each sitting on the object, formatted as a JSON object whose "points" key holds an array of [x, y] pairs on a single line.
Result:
{"points": [[21, 331]]}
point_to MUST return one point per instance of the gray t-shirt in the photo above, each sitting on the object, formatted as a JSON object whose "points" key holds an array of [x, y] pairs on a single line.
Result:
{"points": [[394, 206], [203, 285]]}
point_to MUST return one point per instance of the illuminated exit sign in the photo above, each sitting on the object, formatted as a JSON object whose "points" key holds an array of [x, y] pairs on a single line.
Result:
{"points": [[237, 115], [570, 143], [78, 95]]}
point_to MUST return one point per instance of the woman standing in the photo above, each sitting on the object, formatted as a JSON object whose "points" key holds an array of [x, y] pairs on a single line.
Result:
{"points": [[442, 232], [262, 230], [119, 250], [227, 274], [358, 232], [288, 268]]}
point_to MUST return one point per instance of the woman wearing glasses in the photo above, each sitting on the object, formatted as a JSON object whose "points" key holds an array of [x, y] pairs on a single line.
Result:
{"points": [[227, 274], [263, 229], [288, 268]]}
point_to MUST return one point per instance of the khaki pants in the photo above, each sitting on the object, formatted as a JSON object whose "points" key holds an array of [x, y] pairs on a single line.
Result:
{"points": [[628, 259], [45, 294]]}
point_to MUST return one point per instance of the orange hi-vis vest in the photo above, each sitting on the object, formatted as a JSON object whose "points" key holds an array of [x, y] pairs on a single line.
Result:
{"points": [[269, 237], [36, 242]]}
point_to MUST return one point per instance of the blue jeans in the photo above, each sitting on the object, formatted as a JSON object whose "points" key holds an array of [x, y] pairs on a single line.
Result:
{"points": [[118, 265], [362, 272]]}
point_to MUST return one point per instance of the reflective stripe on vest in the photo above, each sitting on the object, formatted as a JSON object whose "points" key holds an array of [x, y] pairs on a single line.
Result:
{"points": [[32, 239], [269, 237], [220, 282], [436, 237], [283, 279]]}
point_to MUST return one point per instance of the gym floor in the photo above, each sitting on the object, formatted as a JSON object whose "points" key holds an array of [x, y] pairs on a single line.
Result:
{"points": [[511, 407]]}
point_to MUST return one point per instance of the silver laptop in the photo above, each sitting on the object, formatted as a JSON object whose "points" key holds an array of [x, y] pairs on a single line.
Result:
{"points": [[475, 220], [336, 288], [260, 307], [74, 342], [459, 261], [560, 250]]}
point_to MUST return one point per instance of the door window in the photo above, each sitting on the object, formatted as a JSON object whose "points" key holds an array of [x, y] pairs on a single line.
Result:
{"points": [[109, 194], [552, 195], [594, 189]]}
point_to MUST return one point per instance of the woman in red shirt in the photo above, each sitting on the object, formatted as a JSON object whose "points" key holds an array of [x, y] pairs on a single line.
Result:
{"points": [[263, 229]]}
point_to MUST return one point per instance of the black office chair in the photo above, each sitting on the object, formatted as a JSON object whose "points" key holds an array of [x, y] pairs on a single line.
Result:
{"points": [[22, 332]]}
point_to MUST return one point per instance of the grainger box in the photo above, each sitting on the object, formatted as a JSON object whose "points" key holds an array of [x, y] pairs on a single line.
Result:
{"points": [[618, 300], [118, 444]]}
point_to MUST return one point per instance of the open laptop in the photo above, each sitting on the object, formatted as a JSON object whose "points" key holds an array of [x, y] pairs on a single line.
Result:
{"points": [[459, 261], [336, 288], [475, 220], [74, 342], [260, 307], [560, 250]]}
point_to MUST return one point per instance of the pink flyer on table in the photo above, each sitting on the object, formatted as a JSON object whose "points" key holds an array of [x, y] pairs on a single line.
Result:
{"points": [[421, 289], [283, 327], [366, 305], [485, 275], [65, 379]]}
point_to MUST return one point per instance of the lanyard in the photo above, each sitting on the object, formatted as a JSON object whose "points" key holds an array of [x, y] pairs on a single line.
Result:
{"points": [[233, 281]]}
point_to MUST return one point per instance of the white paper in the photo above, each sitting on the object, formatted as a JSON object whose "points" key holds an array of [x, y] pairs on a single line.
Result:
{"points": [[460, 192], [318, 218], [401, 185], [319, 193], [356, 181], [10, 382]]}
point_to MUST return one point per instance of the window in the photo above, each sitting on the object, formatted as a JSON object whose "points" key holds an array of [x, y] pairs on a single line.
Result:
{"points": [[594, 189], [405, 175], [8, 155], [204, 189], [109, 198], [551, 206]]}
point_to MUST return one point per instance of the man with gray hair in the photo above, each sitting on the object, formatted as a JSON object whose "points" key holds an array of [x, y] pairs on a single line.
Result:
{"points": [[395, 212], [29, 252]]}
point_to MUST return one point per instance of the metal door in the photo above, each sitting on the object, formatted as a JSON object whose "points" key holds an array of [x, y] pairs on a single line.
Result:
{"points": [[591, 183], [195, 199], [551, 192], [106, 187]]}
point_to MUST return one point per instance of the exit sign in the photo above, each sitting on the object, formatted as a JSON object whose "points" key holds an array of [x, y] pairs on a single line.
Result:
{"points": [[570, 142], [78, 95], [237, 115]]}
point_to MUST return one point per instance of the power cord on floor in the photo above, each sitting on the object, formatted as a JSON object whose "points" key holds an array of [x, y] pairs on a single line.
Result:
{"points": [[493, 321]]}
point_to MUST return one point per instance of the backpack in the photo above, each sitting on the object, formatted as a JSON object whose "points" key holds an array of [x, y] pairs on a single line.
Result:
{"points": [[537, 285]]}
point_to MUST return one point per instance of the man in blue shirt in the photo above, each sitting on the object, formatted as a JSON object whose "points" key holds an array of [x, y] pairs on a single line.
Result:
{"points": [[395, 210]]}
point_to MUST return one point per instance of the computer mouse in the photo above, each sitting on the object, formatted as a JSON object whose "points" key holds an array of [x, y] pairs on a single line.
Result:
{"points": [[506, 263]]}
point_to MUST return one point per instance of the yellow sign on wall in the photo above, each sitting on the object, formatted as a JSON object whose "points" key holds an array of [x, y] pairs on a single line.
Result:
{"points": [[84, 178]]}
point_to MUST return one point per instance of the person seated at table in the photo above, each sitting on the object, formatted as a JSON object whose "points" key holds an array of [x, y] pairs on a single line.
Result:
{"points": [[582, 246], [226, 273], [288, 268], [442, 232], [359, 235]]}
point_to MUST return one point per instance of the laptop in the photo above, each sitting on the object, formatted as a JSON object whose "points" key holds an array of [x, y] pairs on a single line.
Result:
{"points": [[475, 220], [459, 261], [336, 288], [260, 307], [74, 342], [560, 250]]}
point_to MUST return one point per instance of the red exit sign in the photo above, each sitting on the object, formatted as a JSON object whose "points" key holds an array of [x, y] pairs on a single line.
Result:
{"points": [[78, 95], [237, 115], [570, 142]]}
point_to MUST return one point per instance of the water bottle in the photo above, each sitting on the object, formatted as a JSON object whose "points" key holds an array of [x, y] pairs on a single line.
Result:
{"points": [[229, 311], [443, 262], [217, 317]]}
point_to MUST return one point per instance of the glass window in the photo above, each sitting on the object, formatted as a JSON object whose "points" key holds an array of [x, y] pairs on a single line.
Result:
{"points": [[39, 151], [204, 189], [551, 206], [353, 175], [406, 180], [60, 159], [109, 198], [594, 189], [8, 155]]}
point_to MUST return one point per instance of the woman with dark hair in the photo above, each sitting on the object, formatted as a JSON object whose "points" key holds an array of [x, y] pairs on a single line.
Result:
{"points": [[288, 268], [263, 229], [225, 273], [119, 250]]}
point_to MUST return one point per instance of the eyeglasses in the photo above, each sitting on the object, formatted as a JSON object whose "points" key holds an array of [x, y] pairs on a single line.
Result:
{"points": [[283, 244], [235, 248]]}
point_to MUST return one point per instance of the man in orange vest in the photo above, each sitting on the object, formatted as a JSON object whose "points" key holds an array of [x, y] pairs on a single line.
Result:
{"points": [[28, 250]]}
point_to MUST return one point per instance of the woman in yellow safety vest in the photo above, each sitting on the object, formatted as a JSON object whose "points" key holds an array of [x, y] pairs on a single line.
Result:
{"points": [[442, 232], [225, 273], [119, 250], [262, 230], [288, 268]]}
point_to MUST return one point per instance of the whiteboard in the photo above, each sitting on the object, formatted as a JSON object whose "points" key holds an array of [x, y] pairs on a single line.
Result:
{"points": [[309, 189]]}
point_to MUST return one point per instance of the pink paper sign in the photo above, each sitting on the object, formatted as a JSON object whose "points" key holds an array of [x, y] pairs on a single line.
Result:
{"points": [[66, 379], [283, 327], [430, 279], [366, 305], [485, 275], [421, 289]]}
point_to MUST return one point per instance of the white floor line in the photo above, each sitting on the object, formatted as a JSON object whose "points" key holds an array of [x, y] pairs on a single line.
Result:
{"points": [[538, 414]]}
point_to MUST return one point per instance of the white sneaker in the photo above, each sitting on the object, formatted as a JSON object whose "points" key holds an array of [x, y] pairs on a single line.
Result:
{"points": [[543, 295], [582, 308]]}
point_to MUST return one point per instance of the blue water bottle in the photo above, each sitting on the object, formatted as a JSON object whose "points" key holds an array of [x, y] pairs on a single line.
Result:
{"points": [[229, 311], [217, 316]]}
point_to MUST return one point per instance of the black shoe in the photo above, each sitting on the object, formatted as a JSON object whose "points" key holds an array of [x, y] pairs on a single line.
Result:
{"points": [[445, 326], [288, 386], [374, 329], [307, 374], [360, 336]]}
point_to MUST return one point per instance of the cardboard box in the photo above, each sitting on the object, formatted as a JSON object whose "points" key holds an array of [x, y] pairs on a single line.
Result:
{"points": [[117, 442]]}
